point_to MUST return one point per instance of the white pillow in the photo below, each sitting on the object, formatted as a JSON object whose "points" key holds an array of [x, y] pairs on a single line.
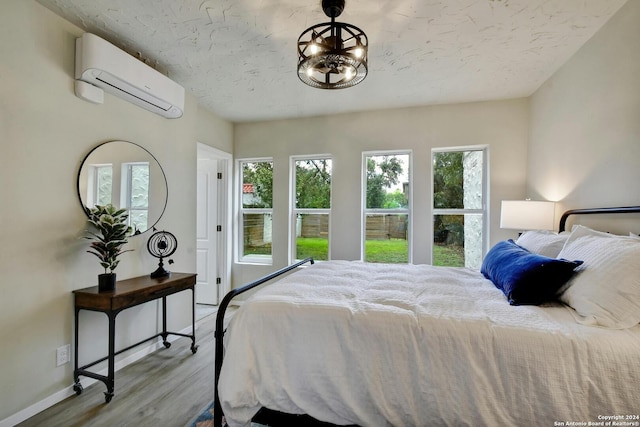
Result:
{"points": [[543, 242], [606, 288]]}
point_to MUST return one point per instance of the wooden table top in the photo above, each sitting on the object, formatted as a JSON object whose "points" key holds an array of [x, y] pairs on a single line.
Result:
{"points": [[130, 292]]}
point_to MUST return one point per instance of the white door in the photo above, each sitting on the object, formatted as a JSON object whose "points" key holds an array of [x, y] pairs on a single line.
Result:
{"points": [[213, 223], [207, 221]]}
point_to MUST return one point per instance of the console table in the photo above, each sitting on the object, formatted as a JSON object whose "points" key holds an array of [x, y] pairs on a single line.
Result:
{"points": [[129, 293]]}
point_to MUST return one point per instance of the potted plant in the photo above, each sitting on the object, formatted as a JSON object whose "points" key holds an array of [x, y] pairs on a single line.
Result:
{"points": [[110, 235]]}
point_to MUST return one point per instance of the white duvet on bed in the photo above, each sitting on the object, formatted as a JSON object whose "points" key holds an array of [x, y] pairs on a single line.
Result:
{"points": [[416, 345]]}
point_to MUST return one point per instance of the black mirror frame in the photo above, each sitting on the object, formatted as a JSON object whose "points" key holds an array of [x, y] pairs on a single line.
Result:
{"points": [[166, 184]]}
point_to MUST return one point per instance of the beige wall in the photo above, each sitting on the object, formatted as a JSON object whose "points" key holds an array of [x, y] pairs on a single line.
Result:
{"points": [[585, 122], [45, 131], [501, 125], [584, 148]]}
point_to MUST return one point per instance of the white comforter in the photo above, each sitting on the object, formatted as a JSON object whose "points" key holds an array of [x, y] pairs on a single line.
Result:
{"points": [[416, 345]]}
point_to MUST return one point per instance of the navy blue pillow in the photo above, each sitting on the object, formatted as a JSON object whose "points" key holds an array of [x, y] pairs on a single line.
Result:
{"points": [[525, 277]]}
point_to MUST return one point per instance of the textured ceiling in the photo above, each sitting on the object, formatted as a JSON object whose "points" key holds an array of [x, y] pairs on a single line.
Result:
{"points": [[238, 57]]}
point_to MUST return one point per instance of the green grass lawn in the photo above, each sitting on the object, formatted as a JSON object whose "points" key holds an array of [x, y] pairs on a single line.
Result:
{"points": [[315, 247], [448, 256], [392, 251]]}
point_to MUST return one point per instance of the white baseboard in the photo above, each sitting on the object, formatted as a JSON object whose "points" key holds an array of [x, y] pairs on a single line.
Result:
{"points": [[59, 396]]}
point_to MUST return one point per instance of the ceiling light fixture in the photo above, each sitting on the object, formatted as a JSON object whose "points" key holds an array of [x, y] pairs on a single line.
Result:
{"points": [[332, 55]]}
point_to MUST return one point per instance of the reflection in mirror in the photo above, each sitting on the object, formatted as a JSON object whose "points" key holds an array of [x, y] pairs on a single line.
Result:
{"points": [[128, 176]]}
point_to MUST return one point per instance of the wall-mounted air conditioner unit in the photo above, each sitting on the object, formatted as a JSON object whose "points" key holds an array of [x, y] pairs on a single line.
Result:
{"points": [[101, 64]]}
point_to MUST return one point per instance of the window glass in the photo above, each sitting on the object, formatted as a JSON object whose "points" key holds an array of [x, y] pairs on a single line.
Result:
{"points": [[256, 194], [387, 239], [386, 212], [257, 234], [457, 180], [313, 184], [312, 207], [312, 236], [138, 195], [257, 184], [104, 184], [139, 185]]}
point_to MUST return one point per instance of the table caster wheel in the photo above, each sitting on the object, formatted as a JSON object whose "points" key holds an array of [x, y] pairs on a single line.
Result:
{"points": [[107, 397], [167, 344], [194, 349], [77, 387]]}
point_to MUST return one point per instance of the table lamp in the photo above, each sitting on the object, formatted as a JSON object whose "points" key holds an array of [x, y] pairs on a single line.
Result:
{"points": [[527, 215]]}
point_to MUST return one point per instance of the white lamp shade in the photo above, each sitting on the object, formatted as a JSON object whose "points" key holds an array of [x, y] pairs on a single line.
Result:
{"points": [[527, 215]]}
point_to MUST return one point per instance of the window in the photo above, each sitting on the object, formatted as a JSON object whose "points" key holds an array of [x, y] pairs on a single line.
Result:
{"points": [[135, 194], [311, 207], [129, 190], [386, 207], [256, 195], [460, 177]]}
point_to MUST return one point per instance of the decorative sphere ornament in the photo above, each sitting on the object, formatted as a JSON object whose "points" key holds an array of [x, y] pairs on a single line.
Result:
{"points": [[162, 244]]}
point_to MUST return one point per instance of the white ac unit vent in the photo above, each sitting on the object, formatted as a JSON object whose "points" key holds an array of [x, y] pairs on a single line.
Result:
{"points": [[102, 64]]}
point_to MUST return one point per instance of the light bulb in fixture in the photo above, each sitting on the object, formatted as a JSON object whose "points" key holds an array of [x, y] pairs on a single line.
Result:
{"points": [[358, 52], [348, 74], [314, 48]]}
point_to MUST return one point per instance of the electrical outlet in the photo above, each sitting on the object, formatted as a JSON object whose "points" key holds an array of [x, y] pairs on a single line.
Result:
{"points": [[63, 354]]}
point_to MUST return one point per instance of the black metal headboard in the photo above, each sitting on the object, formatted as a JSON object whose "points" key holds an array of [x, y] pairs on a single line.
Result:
{"points": [[628, 209]]}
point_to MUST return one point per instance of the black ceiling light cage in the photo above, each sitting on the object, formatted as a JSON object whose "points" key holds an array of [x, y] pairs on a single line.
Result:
{"points": [[332, 55]]}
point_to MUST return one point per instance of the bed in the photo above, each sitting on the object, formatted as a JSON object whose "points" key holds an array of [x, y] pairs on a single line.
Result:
{"points": [[354, 343]]}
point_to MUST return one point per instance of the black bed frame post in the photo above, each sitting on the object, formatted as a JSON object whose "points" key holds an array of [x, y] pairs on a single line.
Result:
{"points": [[219, 333]]}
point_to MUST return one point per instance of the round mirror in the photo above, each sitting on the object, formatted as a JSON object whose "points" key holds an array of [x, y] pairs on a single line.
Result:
{"points": [[125, 175]]}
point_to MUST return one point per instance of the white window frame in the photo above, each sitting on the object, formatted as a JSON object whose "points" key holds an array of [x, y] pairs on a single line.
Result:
{"points": [[484, 211], [240, 257], [365, 211], [294, 211]]}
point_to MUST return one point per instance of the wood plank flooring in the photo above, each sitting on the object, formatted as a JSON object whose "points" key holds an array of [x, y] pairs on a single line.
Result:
{"points": [[168, 388]]}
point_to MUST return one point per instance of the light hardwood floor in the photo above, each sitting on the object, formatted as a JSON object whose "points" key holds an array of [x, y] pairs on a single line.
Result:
{"points": [[168, 388]]}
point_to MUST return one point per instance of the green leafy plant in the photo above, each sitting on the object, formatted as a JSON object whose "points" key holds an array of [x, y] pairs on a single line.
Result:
{"points": [[110, 234]]}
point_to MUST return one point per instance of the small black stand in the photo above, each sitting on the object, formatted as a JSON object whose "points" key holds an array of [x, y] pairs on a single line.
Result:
{"points": [[160, 271]]}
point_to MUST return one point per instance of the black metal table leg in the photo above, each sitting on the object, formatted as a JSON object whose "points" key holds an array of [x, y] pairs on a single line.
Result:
{"points": [[110, 381], [164, 334], [77, 386], [194, 347]]}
